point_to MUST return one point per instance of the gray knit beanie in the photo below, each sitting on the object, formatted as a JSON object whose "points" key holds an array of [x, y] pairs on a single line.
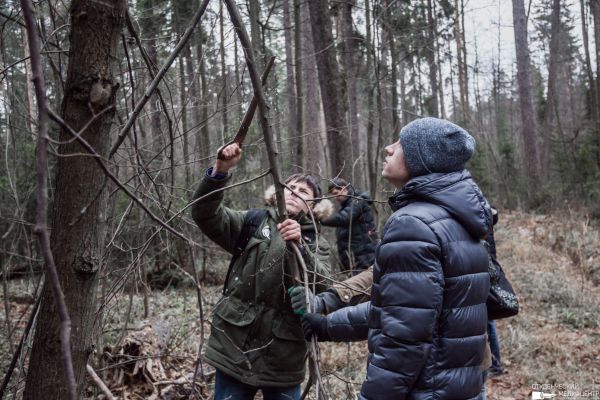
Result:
{"points": [[435, 145]]}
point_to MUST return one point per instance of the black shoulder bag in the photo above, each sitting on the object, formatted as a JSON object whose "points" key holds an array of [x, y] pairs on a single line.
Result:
{"points": [[502, 300]]}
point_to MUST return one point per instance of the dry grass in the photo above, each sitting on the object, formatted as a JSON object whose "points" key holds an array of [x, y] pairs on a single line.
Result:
{"points": [[552, 263]]}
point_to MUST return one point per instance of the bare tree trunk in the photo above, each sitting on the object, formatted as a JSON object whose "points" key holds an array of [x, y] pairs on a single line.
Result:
{"points": [[588, 65], [224, 92], [389, 34], [402, 76], [77, 238], [255, 34], [595, 10], [312, 119], [462, 83], [431, 50], [193, 103], [455, 107], [290, 86], [551, 113], [350, 79], [370, 88], [395, 62], [331, 84], [31, 108], [440, 81], [528, 131], [150, 31], [298, 81], [464, 54], [203, 139]]}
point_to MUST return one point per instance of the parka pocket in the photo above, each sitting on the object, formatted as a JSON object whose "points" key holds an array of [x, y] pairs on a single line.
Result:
{"points": [[231, 326], [235, 312], [288, 349]]}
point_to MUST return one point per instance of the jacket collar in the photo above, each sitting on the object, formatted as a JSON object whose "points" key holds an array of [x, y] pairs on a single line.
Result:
{"points": [[456, 192]]}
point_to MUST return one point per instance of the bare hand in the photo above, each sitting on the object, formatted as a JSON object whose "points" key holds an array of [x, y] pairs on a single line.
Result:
{"points": [[290, 230], [230, 156]]}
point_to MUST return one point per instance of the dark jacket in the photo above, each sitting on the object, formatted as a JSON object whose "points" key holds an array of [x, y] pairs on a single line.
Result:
{"points": [[355, 224], [255, 336], [427, 317]]}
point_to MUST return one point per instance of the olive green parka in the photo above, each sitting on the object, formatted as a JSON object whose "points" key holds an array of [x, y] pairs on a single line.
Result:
{"points": [[255, 336]]}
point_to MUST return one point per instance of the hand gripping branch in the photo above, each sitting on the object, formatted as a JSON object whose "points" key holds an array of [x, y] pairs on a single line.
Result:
{"points": [[240, 136]]}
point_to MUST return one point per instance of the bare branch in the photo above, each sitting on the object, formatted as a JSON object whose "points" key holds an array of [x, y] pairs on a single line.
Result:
{"points": [[97, 157], [101, 385]]}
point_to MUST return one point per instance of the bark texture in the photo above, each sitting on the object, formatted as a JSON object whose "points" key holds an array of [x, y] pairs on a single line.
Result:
{"points": [[530, 153], [331, 85], [80, 198]]}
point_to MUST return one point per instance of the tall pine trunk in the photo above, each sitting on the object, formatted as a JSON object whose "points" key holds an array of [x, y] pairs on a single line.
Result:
{"points": [[350, 79], [528, 130], [331, 85], [311, 117], [430, 53], [551, 114], [290, 88], [595, 10]]}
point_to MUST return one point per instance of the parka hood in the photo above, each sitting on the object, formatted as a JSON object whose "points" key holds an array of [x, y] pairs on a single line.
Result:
{"points": [[456, 192], [354, 193], [322, 210]]}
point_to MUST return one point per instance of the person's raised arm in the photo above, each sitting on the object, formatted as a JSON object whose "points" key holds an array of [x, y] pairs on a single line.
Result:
{"points": [[221, 224]]}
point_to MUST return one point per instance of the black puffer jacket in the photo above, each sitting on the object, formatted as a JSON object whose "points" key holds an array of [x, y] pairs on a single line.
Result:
{"points": [[355, 221], [427, 316]]}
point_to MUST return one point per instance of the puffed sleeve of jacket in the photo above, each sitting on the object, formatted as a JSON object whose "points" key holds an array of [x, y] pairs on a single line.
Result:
{"points": [[406, 306], [342, 218], [349, 324], [221, 224]]}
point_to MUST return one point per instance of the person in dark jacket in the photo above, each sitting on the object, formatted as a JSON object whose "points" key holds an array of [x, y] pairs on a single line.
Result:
{"points": [[256, 340], [426, 321], [354, 226]]}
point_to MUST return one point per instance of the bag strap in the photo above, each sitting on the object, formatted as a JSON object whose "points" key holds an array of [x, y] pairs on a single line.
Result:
{"points": [[252, 221]]}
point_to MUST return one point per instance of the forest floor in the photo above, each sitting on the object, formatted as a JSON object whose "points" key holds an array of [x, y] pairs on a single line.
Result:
{"points": [[552, 261]]}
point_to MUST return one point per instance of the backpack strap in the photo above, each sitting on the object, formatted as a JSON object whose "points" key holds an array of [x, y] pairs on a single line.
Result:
{"points": [[252, 221]]}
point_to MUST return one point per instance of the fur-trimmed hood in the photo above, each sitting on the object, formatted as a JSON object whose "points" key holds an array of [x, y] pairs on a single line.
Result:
{"points": [[322, 210]]}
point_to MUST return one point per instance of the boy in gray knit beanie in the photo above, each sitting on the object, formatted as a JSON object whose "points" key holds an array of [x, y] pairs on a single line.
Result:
{"points": [[435, 145]]}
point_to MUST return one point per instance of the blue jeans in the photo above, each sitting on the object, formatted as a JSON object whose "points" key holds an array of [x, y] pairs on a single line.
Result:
{"points": [[483, 394], [494, 345], [228, 388]]}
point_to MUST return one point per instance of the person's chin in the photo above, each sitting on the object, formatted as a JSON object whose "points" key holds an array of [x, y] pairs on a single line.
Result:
{"points": [[291, 209]]}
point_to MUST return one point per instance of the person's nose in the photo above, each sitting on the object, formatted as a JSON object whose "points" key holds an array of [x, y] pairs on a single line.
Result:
{"points": [[388, 151]]}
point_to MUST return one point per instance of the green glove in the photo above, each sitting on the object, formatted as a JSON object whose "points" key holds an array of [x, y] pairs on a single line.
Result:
{"points": [[298, 298]]}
